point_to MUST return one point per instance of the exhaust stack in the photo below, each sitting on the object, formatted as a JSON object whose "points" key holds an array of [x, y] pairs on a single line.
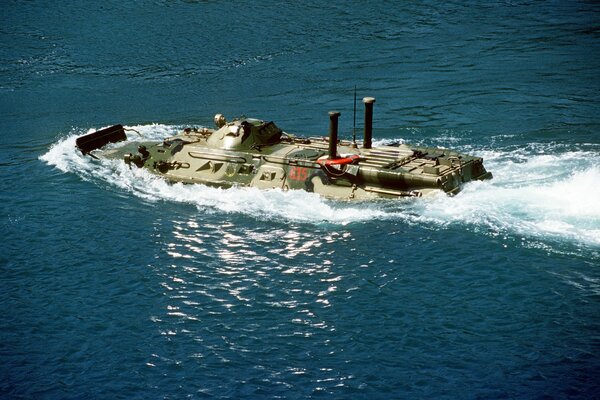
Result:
{"points": [[333, 134], [368, 121]]}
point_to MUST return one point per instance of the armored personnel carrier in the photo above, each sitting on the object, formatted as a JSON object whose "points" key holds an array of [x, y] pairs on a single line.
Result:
{"points": [[252, 152]]}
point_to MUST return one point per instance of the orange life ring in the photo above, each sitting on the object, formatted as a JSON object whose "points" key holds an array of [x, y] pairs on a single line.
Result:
{"points": [[339, 161]]}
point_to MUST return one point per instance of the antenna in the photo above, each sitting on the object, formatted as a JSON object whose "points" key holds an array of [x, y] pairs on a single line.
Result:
{"points": [[354, 126]]}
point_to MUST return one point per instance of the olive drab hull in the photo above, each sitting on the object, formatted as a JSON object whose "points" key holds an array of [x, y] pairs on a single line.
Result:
{"points": [[251, 152]]}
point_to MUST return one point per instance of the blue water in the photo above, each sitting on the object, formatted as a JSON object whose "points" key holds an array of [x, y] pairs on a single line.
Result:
{"points": [[114, 284]]}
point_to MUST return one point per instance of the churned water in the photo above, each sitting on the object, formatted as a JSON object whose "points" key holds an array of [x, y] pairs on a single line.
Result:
{"points": [[115, 284]]}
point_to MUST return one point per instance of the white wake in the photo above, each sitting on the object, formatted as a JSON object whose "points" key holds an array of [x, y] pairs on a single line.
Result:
{"points": [[543, 194]]}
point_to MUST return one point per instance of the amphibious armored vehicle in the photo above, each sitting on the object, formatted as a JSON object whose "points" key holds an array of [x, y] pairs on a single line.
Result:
{"points": [[252, 152]]}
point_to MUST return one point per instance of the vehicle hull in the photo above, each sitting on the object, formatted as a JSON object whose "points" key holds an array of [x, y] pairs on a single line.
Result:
{"points": [[241, 154]]}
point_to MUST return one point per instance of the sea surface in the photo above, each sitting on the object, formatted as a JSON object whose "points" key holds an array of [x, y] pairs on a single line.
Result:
{"points": [[117, 285]]}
